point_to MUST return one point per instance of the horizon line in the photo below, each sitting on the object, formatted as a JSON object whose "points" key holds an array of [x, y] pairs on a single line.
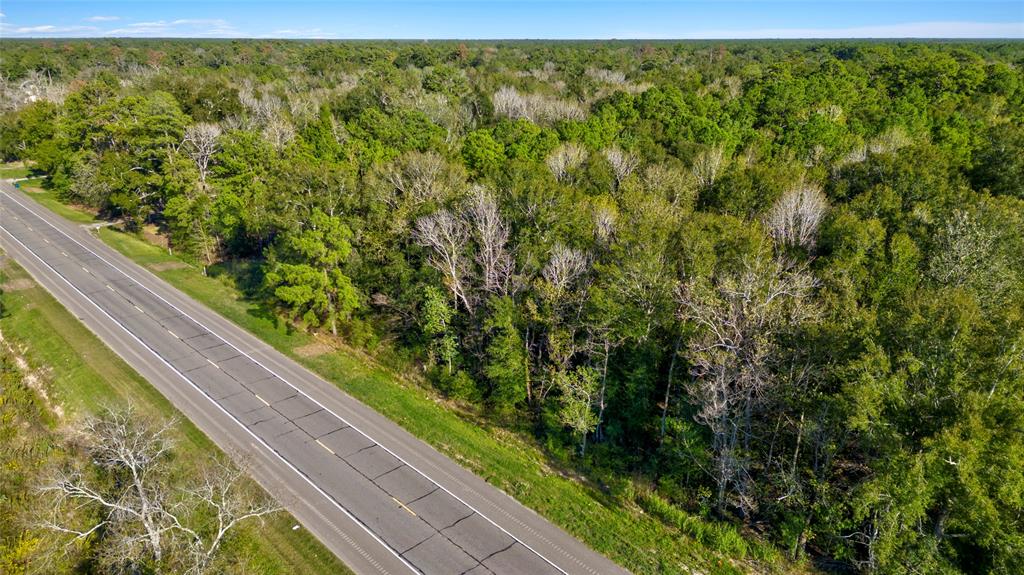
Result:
{"points": [[519, 39]]}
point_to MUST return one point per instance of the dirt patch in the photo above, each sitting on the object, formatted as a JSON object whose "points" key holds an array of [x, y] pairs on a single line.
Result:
{"points": [[35, 379], [152, 235], [18, 284], [164, 266], [313, 349]]}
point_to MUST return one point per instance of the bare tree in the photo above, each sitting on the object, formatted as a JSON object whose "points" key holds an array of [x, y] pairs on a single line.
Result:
{"points": [[565, 267], [623, 163], [491, 234], [604, 224], [420, 177], [674, 185], [794, 219], [965, 247], [131, 501], [279, 132], [226, 499], [733, 86], [706, 167], [890, 141], [734, 354], [135, 509], [200, 144], [447, 237], [263, 108], [564, 159], [509, 103], [971, 252], [614, 77], [553, 109]]}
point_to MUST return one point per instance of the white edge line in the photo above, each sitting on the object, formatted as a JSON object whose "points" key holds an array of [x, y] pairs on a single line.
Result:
{"points": [[218, 406], [257, 362]]}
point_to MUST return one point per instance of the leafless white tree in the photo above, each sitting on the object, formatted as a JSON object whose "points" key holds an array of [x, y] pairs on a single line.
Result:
{"points": [[141, 514], [971, 252], [890, 141], [263, 107], [733, 86], [279, 132], [604, 224], [419, 177], [223, 497], [136, 510], [491, 234], [855, 156], [200, 144], [734, 354], [447, 237], [831, 111], [673, 184], [441, 111], [553, 109], [565, 267], [706, 167], [34, 87], [794, 219], [604, 75], [564, 159], [623, 163], [509, 103]]}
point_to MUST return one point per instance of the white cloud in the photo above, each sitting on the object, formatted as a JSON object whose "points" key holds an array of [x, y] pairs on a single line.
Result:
{"points": [[102, 18], [199, 22], [180, 28], [45, 30], [907, 30]]}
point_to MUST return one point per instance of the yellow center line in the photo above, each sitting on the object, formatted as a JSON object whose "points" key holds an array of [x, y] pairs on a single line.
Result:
{"points": [[263, 400], [109, 288], [213, 364], [329, 450], [172, 333], [402, 505], [138, 308], [64, 254]]}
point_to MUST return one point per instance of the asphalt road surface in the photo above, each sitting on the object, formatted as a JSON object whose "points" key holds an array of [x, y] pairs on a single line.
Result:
{"points": [[380, 499]]}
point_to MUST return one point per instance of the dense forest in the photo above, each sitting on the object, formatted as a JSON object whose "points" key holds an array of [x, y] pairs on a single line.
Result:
{"points": [[780, 283]]}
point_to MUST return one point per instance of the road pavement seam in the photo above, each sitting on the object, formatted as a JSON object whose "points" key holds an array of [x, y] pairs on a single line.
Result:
{"points": [[535, 533], [214, 402]]}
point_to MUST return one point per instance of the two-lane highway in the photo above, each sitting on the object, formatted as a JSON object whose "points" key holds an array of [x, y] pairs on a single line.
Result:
{"points": [[380, 499]]}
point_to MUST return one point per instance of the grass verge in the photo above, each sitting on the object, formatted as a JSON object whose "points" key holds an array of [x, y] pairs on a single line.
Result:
{"points": [[617, 525], [83, 375], [10, 172], [48, 198]]}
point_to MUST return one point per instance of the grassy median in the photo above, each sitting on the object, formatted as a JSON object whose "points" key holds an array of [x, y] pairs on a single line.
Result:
{"points": [[82, 375]]}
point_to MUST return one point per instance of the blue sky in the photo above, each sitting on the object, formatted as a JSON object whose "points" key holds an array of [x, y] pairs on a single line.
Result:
{"points": [[522, 19]]}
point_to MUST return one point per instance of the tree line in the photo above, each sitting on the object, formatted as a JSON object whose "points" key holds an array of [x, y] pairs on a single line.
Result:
{"points": [[778, 282]]}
